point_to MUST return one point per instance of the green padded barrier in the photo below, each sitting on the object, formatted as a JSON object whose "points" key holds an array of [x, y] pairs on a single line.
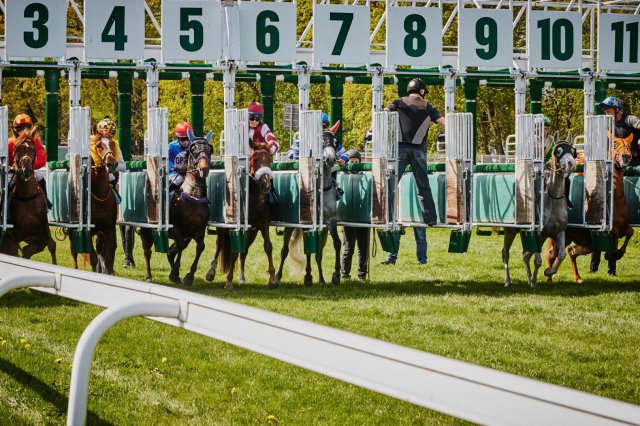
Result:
{"points": [[576, 214], [58, 191], [493, 198], [632, 194], [410, 210], [133, 190], [355, 203], [63, 150], [288, 208], [216, 186]]}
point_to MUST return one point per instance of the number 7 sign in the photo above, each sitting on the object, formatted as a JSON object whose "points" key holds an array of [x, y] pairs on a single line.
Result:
{"points": [[340, 34], [114, 29]]}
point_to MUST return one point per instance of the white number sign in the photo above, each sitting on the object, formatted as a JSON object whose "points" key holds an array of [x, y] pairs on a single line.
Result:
{"points": [[340, 34], [619, 42], [268, 32], [413, 36], [36, 28], [485, 38], [555, 40], [114, 29], [191, 30]]}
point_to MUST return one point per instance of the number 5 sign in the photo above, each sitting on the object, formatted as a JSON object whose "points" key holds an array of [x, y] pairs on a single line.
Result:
{"points": [[555, 40], [340, 34], [267, 31], [485, 38], [36, 29], [114, 29]]}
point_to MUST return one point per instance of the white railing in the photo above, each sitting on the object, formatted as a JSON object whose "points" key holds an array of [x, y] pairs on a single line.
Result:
{"points": [[529, 160], [529, 137], [385, 135], [235, 154], [463, 390], [4, 165], [599, 139], [459, 136], [311, 134], [236, 133], [79, 165]]}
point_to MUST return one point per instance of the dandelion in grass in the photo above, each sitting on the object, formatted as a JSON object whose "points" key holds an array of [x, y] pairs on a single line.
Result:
{"points": [[234, 391], [23, 341], [271, 419], [27, 346], [164, 360], [57, 361]]}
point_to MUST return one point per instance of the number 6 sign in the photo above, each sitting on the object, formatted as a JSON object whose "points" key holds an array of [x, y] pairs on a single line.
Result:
{"points": [[36, 28], [267, 31], [114, 29]]}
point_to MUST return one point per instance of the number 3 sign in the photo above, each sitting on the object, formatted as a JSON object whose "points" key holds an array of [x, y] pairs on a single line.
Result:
{"points": [[114, 29], [36, 29]]}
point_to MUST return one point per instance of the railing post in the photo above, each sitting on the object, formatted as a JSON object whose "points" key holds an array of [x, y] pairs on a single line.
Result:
{"points": [[197, 101], [336, 89], [51, 112], [125, 86], [267, 89]]}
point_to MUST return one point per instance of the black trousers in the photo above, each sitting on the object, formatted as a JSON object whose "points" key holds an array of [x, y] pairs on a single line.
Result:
{"points": [[352, 236]]}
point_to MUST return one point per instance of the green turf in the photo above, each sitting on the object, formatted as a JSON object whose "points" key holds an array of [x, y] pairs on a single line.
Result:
{"points": [[580, 336]]}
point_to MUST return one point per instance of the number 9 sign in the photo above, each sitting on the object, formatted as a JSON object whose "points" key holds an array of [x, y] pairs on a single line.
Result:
{"points": [[485, 38], [114, 29], [36, 28], [267, 31]]}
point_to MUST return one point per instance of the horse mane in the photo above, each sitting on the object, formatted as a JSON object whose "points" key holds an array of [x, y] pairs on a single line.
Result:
{"points": [[30, 136]]}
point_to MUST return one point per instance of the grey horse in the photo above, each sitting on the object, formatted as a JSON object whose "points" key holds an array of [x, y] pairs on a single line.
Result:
{"points": [[329, 214], [555, 217]]}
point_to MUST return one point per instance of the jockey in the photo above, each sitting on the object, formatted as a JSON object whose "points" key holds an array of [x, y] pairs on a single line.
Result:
{"points": [[294, 152], [22, 123], [106, 130], [260, 136], [625, 125], [178, 151]]}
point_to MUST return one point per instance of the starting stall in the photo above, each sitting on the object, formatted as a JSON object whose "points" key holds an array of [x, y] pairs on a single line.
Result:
{"points": [[4, 169]]}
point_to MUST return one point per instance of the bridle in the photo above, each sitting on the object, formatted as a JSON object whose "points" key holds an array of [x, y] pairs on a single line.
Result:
{"points": [[553, 156]]}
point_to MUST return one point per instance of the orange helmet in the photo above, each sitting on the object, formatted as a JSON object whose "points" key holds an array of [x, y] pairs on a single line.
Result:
{"points": [[21, 120], [255, 108], [181, 129]]}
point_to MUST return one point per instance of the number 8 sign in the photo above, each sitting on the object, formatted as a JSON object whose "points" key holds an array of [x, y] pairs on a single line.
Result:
{"points": [[36, 29], [114, 29], [413, 36]]}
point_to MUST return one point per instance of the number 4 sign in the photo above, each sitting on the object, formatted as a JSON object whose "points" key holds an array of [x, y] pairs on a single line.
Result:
{"points": [[114, 29]]}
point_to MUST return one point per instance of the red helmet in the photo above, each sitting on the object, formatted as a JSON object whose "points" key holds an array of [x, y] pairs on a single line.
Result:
{"points": [[181, 129], [255, 108], [22, 119]]}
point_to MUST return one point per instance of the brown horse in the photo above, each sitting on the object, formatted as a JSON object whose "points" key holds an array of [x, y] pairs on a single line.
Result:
{"points": [[188, 212], [260, 181], [620, 226], [28, 208], [103, 209]]}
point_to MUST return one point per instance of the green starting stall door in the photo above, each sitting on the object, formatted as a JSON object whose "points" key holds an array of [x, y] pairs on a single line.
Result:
{"points": [[58, 190], [216, 185], [632, 194], [288, 208], [355, 204], [410, 209], [133, 190], [493, 198]]}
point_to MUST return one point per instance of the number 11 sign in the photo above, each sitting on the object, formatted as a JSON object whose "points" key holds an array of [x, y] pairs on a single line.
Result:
{"points": [[114, 29]]}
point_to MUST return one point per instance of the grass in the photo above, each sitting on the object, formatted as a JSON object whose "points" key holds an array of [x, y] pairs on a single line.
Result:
{"points": [[580, 336]]}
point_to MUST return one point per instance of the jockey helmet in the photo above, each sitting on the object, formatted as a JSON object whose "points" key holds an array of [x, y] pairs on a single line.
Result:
{"points": [[416, 85], [325, 120], [255, 108], [181, 129], [22, 120], [546, 121], [611, 102], [353, 153], [106, 124]]}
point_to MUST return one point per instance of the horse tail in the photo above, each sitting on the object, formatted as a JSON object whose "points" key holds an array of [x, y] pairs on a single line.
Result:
{"points": [[298, 259], [224, 251]]}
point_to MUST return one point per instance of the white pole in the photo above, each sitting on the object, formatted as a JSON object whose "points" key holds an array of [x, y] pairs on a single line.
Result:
{"points": [[304, 84], [13, 282]]}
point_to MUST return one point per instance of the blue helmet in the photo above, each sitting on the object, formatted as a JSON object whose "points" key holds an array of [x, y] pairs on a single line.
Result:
{"points": [[611, 102], [325, 119]]}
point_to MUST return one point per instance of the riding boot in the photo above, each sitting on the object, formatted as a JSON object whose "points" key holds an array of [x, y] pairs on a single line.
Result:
{"points": [[43, 186], [116, 194], [128, 238], [567, 192]]}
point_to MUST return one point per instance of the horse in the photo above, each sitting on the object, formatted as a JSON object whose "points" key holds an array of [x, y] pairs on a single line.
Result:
{"points": [[555, 217], [188, 212], [28, 208], [329, 212], [104, 209], [260, 185], [620, 226]]}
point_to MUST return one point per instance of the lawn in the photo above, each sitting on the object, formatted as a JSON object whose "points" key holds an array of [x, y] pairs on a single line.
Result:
{"points": [[580, 336]]}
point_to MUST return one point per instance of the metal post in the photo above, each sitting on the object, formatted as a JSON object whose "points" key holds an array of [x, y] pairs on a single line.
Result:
{"points": [[535, 96], [197, 105], [377, 84], [600, 95], [75, 82], [77, 411], [229, 82], [336, 89], [125, 86], [153, 76], [470, 105], [403, 81], [34, 279], [304, 84], [521, 94], [450, 93], [51, 112], [267, 89]]}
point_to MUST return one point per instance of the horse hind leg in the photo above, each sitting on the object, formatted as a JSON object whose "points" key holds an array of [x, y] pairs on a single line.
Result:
{"points": [[211, 273], [188, 279], [229, 284], [574, 252], [509, 236], [337, 244], [243, 256], [556, 254], [174, 276], [288, 232], [537, 262], [268, 249], [308, 277], [147, 242], [526, 258], [318, 256]]}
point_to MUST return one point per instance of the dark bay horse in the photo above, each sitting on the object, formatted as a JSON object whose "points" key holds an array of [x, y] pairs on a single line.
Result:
{"points": [[28, 209], [293, 236], [188, 212], [104, 208], [260, 183], [555, 217], [620, 229]]}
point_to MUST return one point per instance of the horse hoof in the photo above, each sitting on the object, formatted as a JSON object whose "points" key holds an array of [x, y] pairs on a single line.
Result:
{"points": [[188, 280], [612, 274], [308, 281], [242, 281], [148, 279], [274, 285], [548, 272], [228, 286], [507, 283], [175, 279], [211, 275], [578, 280], [335, 279]]}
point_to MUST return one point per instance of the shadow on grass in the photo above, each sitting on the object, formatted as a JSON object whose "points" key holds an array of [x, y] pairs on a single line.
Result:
{"points": [[48, 394], [32, 298]]}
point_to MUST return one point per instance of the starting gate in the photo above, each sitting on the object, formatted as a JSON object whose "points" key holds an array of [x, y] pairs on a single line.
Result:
{"points": [[311, 170], [4, 168], [236, 169]]}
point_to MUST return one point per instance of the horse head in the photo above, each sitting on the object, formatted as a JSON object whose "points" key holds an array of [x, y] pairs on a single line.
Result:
{"points": [[263, 175], [200, 151], [329, 149], [622, 152], [106, 154], [25, 153], [563, 155]]}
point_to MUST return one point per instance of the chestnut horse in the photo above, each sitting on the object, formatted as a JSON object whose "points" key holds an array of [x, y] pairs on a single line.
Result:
{"points": [[188, 212], [260, 181], [103, 209], [582, 237], [28, 208]]}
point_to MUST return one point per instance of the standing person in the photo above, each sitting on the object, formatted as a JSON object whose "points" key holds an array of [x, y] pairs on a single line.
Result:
{"points": [[415, 116], [22, 123], [178, 150], [626, 126], [353, 235]]}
